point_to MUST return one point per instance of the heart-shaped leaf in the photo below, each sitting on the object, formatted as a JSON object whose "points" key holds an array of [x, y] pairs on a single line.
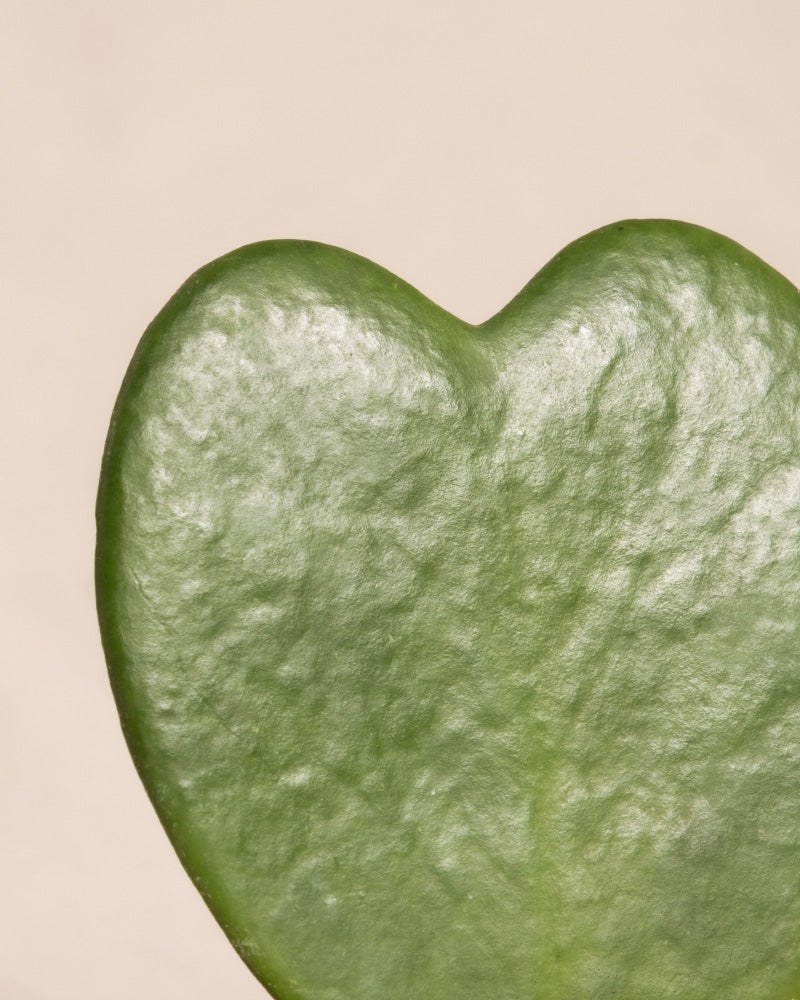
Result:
{"points": [[464, 661]]}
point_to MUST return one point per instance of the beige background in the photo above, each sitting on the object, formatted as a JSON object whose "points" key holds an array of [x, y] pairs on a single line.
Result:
{"points": [[458, 144]]}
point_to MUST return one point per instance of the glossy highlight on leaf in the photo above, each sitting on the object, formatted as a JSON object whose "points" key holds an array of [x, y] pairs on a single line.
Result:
{"points": [[464, 660]]}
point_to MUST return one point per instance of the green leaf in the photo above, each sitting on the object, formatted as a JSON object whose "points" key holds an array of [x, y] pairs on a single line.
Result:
{"points": [[464, 661]]}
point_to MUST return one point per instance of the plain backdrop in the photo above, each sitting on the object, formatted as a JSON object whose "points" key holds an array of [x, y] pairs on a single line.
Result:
{"points": [[460, 145]]}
